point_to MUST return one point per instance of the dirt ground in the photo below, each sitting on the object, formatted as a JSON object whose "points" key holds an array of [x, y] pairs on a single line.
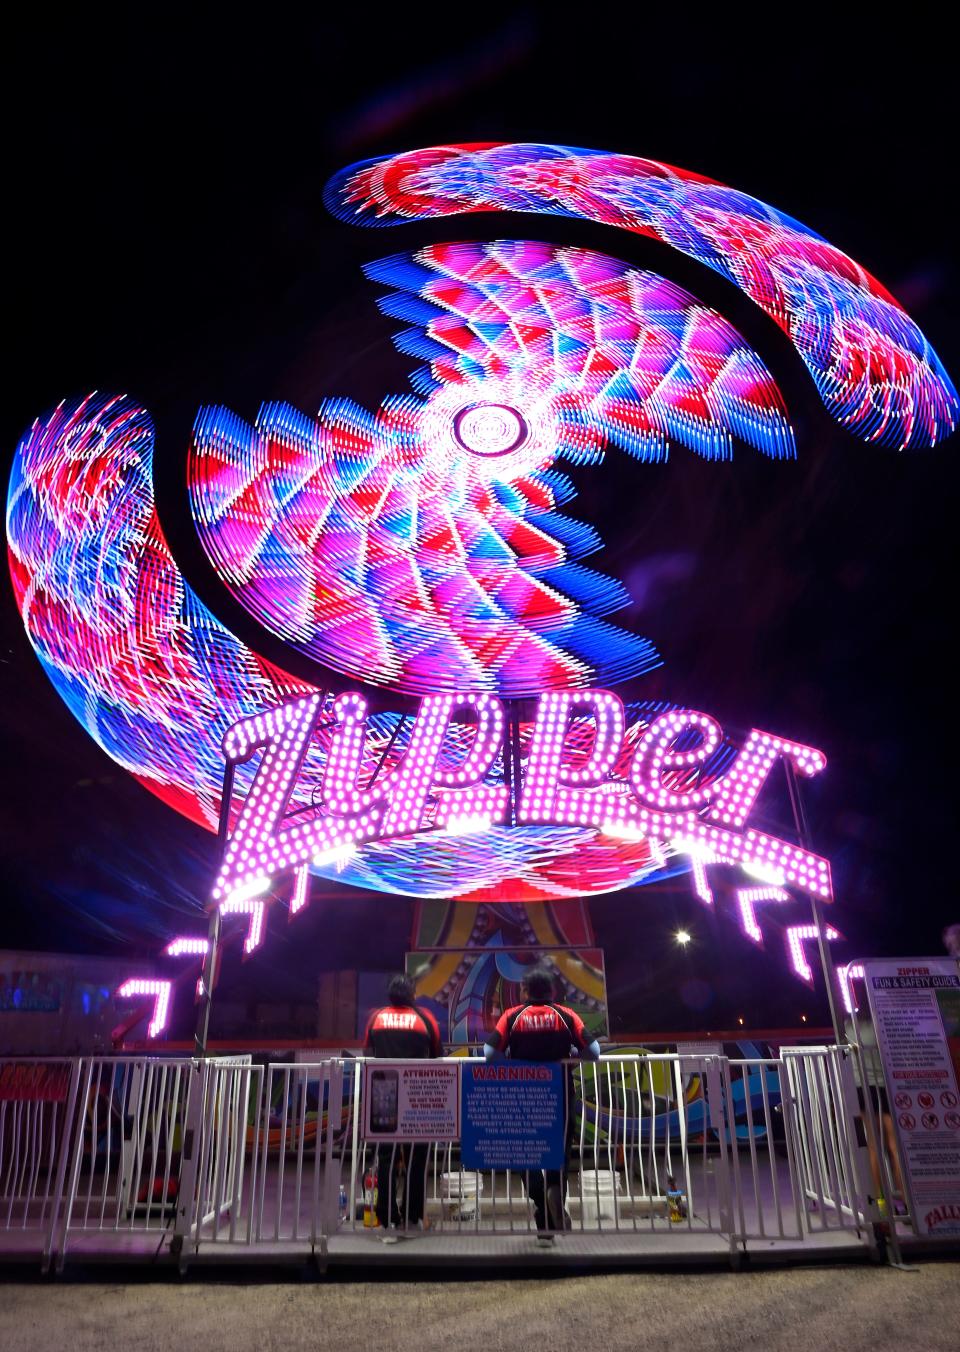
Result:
{"points": [[849, 1308]]}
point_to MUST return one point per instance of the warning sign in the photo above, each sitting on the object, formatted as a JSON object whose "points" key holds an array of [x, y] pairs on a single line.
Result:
{"points": [[915, 1007], [513, 1116], [417, 1101]]}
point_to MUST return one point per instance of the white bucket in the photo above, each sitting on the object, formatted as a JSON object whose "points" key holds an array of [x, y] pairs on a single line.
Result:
{"points": [[599, 1189], [461, 1192]]}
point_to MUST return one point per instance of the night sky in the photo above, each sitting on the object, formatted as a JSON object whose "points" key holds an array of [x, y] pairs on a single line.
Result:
{"points": [[166, 237]]}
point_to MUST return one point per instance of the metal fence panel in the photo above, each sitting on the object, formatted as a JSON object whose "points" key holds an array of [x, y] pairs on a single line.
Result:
{"points": [[37, 1108], [637, 1134], [219, 1186], [223, 1152], [831, 1164], [292, 1135], [127, 1147]]}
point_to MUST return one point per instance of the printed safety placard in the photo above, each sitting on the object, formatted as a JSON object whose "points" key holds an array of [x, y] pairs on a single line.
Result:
{"points": [[512, 1116], [915, 1006], [417, 1101]]}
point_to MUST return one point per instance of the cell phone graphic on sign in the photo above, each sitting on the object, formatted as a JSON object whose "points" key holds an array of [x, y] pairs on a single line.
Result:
{"points": [[384, 1094]]}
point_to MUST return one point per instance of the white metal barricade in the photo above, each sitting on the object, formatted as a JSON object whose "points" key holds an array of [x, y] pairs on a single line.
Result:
{"points": [[637, 1128], [118, 1154], [126, 1149], [831, 1165], [293, 1139], [216, 1182], [37, 1106], [645, 1156]]}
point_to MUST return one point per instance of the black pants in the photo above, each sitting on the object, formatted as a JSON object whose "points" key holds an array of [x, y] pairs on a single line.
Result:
{"points": [[408, 1210], [539, 1183]]}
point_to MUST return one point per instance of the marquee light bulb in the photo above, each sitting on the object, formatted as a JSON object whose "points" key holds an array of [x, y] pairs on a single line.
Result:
{"points": [[187, 945], [847, 975], [160, 990], [657, 786], [748, 898], [797, 936]]}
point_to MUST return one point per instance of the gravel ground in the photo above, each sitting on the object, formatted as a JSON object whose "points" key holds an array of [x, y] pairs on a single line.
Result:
{"points": [[849, 1308]]}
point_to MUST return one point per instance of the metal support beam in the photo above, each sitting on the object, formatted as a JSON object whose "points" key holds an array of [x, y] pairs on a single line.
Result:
{"points": [[513, 732], [212, 958], [816, 908]]}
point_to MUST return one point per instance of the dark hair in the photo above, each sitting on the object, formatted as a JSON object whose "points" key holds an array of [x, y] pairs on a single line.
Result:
{"points": [[538, 983], [401, 990]]}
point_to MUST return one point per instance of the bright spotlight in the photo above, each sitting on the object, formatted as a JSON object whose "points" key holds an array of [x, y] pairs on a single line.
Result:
{"points": [[683, 937]]}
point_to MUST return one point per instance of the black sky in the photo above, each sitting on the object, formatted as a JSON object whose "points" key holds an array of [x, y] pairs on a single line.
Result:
{"points": [[166, 237]]}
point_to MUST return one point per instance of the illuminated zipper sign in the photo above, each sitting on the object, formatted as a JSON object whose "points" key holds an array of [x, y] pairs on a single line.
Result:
{"points": [[660, 791]]}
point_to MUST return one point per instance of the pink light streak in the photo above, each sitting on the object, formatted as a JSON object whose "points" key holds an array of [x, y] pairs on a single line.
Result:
{"points": [[187, 945], [301, 890], [797, 936], [256, 910], [160, 990], [747, 899], [847, 975], [698, 871]]}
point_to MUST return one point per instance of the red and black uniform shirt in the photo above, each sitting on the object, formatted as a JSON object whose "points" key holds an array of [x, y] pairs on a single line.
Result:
{"points": [[539, 1033], [402, 1031]]}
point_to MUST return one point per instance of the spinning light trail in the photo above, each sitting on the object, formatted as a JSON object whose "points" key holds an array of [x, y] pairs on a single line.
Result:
{"points": [[873, 368], [421, 547]]}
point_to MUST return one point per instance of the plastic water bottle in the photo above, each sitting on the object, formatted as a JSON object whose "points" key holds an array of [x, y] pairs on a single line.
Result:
{"points": [[676, 1202]]}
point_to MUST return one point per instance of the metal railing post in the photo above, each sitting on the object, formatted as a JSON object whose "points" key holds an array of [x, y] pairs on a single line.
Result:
{"points": [[717, 1069], [193, 1140], [67, 1128], [211, 959], [330, 1214], [816, 909], [59, 1246]]}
